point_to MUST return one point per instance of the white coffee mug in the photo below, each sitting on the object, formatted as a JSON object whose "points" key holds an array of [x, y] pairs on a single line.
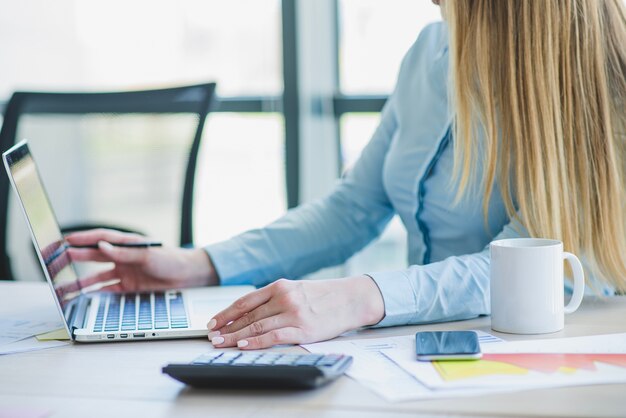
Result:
{"points": [[527, 285]]}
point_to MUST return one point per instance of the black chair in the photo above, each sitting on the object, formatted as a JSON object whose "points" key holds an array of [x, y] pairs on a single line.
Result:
{"points": [[115, 159]]}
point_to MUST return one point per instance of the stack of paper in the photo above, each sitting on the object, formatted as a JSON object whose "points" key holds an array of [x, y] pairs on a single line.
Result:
{"points": [[17, 334], [373, 369], [388, 365]]}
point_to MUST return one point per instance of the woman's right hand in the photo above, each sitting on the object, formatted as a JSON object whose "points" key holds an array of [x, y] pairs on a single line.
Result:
{"points": [[155, 268]]}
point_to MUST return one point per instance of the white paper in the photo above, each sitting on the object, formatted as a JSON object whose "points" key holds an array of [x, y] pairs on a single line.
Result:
{"points": [[29, 344], [372, 369], [16, 328], [523, 372], [596, 344], [381, 375]]}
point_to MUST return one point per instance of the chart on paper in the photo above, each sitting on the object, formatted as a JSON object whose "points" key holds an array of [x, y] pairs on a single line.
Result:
{"points": [[524, 364]]}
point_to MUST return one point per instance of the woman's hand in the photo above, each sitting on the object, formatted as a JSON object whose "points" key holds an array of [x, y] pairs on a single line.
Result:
{"points": [[141, 268], [297, 312]]}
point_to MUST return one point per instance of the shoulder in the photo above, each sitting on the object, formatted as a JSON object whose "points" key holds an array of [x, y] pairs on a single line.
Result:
{"points": [[431, 42], [426, 62], [423, 75], [434, 36]]}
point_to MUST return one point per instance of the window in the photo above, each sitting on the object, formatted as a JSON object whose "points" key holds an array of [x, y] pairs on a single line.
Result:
{"points": [[118, 45], [249, 153], [375, 35]]}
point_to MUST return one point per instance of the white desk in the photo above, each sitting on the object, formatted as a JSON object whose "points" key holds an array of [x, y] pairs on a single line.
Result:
{"points": [[124, 379]]}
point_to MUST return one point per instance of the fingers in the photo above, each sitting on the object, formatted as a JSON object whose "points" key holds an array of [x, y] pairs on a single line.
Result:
{"points": [[264, 333], [267, 310], [288, 335], [93, 236], [105, 251], [253, 320], [108, 253], [87, 254], [123, 255], [240, 307]]}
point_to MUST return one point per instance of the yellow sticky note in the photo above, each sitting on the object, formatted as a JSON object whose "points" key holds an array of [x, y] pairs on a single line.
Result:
{"points": [[458, 370], [58, 334]]}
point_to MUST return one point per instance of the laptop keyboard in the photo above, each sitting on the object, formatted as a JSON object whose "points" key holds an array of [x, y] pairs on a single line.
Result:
{"points": [[141, 311]]}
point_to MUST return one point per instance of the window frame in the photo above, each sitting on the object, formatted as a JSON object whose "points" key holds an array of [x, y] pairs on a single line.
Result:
{"points": [[289, 103]]}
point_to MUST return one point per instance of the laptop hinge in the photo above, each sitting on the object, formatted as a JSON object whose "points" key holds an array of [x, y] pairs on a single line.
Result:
{"points": [[78, 314], [69, 318]]}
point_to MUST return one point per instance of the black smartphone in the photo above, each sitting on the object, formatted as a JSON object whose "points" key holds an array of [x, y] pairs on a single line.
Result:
{"points": [[447, 345]]}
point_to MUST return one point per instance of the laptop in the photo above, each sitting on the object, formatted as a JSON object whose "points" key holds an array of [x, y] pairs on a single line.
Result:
{"points": [[100, 316]]}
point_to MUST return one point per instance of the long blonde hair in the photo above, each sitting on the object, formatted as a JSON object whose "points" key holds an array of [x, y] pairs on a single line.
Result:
{"points": [[543, 84]]}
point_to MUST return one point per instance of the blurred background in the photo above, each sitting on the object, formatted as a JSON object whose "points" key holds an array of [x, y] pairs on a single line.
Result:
{"points": [[300, 84]]}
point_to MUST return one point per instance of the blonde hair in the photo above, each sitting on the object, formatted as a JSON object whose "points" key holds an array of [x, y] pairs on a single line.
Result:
{"points": [[543, 83]]}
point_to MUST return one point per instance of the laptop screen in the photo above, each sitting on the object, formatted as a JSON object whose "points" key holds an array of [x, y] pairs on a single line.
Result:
{"points": [[43, 224]]}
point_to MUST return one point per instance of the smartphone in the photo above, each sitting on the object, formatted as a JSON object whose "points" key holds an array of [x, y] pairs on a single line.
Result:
{"points": [[447, 345]]}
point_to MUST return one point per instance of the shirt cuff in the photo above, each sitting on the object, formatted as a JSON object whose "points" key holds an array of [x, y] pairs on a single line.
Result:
{"points": [[233, 264], [398, 297]]}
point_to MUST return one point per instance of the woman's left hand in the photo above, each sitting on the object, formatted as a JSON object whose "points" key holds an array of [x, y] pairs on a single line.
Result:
{"points": [[297, 312]]}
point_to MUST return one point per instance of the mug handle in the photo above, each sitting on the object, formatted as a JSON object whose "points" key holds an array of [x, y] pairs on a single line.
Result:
{"points": [[579, 282]]}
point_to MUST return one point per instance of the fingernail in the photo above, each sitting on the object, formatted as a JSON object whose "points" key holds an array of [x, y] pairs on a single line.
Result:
{"points": [[103, 245], [217, 340], [212, 323], [242, 343], [213, 334]]}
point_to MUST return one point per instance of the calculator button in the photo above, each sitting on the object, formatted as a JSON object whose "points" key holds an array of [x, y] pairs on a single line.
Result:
{"points": [[267, 358], [245, 359], [230, 354], [284, 362], [264, 361], [308, 360], [272, 356], [329, 360], [287, 359], [207, 358], [226, 358], [203, 360]]}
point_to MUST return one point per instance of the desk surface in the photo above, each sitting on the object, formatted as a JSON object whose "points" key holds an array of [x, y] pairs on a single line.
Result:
{"points": [[124, 379]]}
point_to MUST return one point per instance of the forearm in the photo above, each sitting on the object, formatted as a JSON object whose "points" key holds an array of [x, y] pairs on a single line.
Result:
{"points": [[453, 289], [314, 236]]}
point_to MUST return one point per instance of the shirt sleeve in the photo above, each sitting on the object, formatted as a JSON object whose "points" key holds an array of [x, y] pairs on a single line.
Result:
{"points": [[452, 289], [455, 288], [318, 234]]}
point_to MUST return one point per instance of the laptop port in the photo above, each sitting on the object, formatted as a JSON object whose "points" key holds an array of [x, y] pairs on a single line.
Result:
{"points": [[110, 336], [123, 335], [139, 335]]}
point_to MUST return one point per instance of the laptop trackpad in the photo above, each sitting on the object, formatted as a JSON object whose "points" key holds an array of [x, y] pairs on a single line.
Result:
{"points": [[206, 302]]}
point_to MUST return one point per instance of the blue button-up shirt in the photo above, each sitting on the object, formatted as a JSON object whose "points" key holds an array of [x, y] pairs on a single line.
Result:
{"points": [[406, 169]]}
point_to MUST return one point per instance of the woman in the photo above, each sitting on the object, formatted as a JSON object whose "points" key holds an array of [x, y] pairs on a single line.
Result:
{"points": [[506, 121]]}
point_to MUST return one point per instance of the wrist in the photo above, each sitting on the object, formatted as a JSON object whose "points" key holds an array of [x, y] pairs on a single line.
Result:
{"points": [[201, 269], [367, 300]]}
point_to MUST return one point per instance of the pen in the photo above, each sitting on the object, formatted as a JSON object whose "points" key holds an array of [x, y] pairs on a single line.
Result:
{"points": [[123, 244]]}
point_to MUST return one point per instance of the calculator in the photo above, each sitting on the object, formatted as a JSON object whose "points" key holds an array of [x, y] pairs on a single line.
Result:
{"points": [[254, 370]]}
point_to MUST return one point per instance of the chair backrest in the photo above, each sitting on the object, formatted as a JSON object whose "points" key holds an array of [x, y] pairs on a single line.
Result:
{"points": [[120, 159]]}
